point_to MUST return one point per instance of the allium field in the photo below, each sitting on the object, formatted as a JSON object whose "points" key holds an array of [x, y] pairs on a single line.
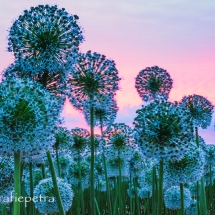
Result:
{"points": [[160, 166]]}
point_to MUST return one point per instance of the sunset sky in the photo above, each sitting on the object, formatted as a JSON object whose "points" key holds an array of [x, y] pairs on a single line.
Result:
{"points": [[178, 36]]}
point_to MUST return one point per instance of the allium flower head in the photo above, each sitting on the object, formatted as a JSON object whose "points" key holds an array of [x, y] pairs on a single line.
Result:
{"points": [[64, 161], [104, 111], [131, 191], [191, 210], [145, 179], [172, 198], [73, 173], [114, 166], [6, 178], [44, 35], [37, 177], [63, 139], [200, 108], [93, 77], [210, 154], [99, 174], [188, 169], [81, 140], [54, 81], [136, 163], [45, 188], [153, 83], [163, 130], [193, 189], [144, 193], [209, 174], [119, 141], [28, 117]]}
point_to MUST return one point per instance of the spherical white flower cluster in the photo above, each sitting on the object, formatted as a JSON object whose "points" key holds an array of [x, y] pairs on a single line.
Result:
{"points": [[28, 117], [64, 162], [144, 193], [93, 77], [73, 176], [119, 141], [172, 198], [117, 166], [49, 205], [153, 83], [63, 139], [200, 108], [81, 139], [131, 191], [54, 83], [209, 174], [163, 130], [191, 210], [190, 168], [43, 38], [6, 179], [136, 163], [37, 177], [104, 111], [145, 179], [210, 154]]}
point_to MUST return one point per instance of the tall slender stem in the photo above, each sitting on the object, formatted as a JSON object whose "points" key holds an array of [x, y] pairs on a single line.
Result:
{"points": [[58, 164], [92, 140], [160, 190], [3, 209], [182, 198], [105, 170], [54, 180], [80, 187], [197, 136], [31, 188], [120, 188], [211, 188], [154, 191], [203, 197], [43, 171], [17, 182]]}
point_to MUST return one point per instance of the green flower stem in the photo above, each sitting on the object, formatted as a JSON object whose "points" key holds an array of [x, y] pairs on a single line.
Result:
{"points": [[148, 200], [213, 203], [203, 198], [80, 187], [17, 183], [146, 207], [97, 207], [197, 199], [43, 171], [3, 210], [122, 206], [31, 188], [160, 190], [182, 198], [211, 188], [116, 199], [154, 191], [137, 198], [197, 136], [130, 199], [58, 165], [92, 140], [23, 193], [165, 210], [54, 180], [106, 176]]}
